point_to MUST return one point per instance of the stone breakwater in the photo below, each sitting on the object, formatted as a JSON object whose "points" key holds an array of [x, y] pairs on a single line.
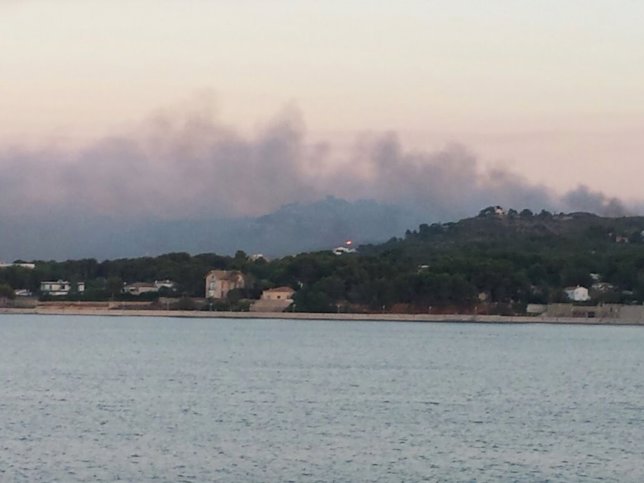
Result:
{"points": [[447, 318]]}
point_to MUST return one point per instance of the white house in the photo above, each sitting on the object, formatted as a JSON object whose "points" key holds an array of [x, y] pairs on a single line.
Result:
{"points": [[343, 250], [577, 294], [60, 287], [139, 288], [29, 266], [169, 284]]}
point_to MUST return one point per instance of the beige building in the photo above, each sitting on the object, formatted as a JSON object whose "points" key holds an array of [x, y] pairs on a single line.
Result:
{"points": [[220, 282], [279, 293], [274, 300]]}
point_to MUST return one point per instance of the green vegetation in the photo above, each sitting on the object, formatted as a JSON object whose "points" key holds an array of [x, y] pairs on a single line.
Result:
{"points": [[494, 263], [6, 291]]}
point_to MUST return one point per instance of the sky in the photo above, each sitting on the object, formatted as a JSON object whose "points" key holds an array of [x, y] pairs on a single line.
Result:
{"points": [[109, 104]]}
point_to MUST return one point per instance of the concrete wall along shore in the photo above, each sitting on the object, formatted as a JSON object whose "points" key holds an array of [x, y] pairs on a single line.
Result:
{"points": [[453, 318], [604, 311]]}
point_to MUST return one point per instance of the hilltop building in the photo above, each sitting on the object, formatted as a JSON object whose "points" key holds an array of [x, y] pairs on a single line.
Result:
{"points": [[29, 266], [343, 250], [497, 211]]}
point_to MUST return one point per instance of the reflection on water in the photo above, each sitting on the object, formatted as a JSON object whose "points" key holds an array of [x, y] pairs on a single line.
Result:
{"points": [[141, 399]]}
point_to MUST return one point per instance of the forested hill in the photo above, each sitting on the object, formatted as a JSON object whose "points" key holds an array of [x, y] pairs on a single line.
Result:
{"points": [[511, 257], [496, 262], [521, 232]]}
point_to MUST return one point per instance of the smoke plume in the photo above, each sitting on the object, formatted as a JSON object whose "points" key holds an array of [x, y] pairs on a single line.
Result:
{"points": [[189, 165]]}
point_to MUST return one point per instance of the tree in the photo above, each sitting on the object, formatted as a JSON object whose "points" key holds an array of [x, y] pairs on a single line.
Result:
{"points": [[311, 300], [6, 291], [114, 285], [186, 303], [489, 211]]}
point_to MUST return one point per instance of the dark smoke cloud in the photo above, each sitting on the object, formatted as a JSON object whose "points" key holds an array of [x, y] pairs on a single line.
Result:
{"points": [[173, 166], [182, 165], [445, 184], [584, 199]]}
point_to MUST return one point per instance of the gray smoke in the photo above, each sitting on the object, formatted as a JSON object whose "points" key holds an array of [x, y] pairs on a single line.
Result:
{"points": [[584, 199], [191, 166], [445, 184], [172, 167]]}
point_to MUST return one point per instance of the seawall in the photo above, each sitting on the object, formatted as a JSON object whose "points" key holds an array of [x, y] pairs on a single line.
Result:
{"points": [[449, 318]]}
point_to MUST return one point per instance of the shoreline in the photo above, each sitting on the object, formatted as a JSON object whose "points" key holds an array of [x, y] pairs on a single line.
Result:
{"points": [[431, 318]]}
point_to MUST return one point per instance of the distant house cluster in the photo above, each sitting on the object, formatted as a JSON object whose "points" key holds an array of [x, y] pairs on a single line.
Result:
{"points": [[219, 283]]}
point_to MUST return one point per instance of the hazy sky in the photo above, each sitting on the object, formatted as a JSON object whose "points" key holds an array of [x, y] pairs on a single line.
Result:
{"points": [[551, 90]]}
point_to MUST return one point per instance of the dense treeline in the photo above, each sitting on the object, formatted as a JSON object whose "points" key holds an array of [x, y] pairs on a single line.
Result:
{"points": [[494, 262]]}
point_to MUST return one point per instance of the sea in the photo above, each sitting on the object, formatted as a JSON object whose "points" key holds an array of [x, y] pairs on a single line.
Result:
{"points": [[193, 400]]}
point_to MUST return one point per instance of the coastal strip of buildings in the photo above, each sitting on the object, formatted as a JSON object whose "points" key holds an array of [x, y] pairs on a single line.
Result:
{"points": [[218, 285]]}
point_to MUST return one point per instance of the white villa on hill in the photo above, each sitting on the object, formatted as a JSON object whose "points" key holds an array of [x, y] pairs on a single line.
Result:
{"points": [[29, 266]]}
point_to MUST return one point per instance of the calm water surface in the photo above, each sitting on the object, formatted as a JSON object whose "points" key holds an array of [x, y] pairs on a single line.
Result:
{"points": [[144, 399]]}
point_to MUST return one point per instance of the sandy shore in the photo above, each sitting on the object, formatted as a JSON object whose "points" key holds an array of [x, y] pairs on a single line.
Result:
{"points": [[485, 319]]}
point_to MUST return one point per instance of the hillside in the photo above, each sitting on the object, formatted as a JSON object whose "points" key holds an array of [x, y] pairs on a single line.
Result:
{"points": [[521, 257], [523, 231], [495, 262], [291, 229]]}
